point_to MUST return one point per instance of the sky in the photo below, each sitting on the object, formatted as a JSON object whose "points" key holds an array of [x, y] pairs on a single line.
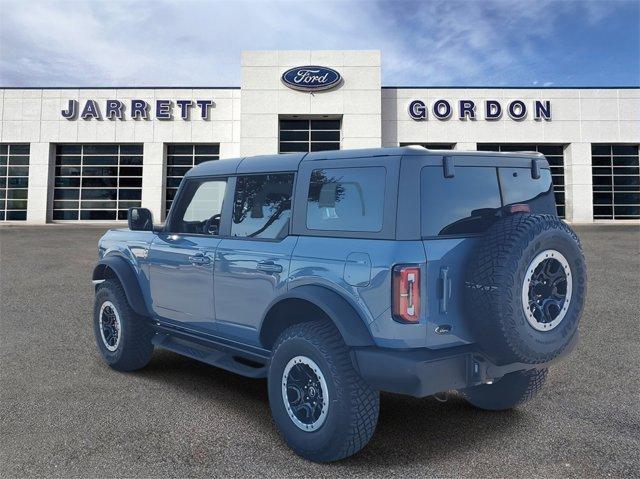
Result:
{"points": [[427, 43]]}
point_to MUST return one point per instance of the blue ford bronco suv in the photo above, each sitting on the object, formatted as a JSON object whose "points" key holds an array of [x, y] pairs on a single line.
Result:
{"points": [[337, 275]]}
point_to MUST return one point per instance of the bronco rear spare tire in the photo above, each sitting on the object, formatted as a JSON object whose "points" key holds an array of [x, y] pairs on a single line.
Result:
{"points": [[525, 288]]}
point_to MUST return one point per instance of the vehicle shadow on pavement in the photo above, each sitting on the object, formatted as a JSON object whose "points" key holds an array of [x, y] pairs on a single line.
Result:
{"points": [[216, 388], [427, 430], [409, 429]]}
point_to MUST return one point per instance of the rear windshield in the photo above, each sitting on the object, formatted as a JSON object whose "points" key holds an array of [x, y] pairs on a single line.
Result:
{"points": [[472, 200], [518, 187]]}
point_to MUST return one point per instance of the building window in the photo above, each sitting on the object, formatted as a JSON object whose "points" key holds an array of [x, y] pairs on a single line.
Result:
{"points": [[309, 135], [616, 182], [432, 146], [180, 159], [14, 182], [97, 182], [554, 155]]}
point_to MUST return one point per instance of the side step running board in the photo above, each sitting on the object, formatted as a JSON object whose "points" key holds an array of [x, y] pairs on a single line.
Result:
{"points": [[235, 363]]}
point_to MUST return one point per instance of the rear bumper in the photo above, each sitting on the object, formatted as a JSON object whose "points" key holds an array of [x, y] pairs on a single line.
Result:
{"points": [[423, 372]]}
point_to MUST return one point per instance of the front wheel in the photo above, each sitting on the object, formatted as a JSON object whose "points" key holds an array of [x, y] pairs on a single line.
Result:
{"points": [[123, 336], [322, 408]]}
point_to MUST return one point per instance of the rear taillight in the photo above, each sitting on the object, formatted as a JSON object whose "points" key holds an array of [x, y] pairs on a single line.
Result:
{"points": [[405, 293]]}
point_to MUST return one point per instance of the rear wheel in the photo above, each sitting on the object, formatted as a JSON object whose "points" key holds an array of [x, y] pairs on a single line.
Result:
{"points": [[321, 406], [508, 392], [123, 336]]}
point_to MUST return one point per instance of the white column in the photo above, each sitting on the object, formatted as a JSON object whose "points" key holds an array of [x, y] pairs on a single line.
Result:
{"points": [[41, 179], [578, 182], [153, 179], [466, 146]]}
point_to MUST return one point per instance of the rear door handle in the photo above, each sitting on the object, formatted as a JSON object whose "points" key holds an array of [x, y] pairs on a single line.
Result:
{"points": [[446, 290], [269, 267], [199, 259]]}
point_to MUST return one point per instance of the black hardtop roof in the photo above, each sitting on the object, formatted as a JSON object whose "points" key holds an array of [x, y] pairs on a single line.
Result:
{"points": [[291, 161]]}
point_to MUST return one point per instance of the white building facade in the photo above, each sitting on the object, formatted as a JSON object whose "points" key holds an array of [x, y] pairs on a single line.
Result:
{"points": [[69, 155]]}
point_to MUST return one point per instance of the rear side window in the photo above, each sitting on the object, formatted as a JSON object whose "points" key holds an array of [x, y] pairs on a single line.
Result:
{"points": [[262, 206], [346, 199], [468, 203]]}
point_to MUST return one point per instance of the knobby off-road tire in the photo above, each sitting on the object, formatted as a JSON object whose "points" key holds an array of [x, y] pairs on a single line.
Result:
{"points": [[509, 270], [131, 348], [316, 350], [510, 391]]}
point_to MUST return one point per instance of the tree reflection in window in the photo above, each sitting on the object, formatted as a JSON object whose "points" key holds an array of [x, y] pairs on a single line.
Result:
{"points": [[262, 206], [326, 191], [346, 199]]}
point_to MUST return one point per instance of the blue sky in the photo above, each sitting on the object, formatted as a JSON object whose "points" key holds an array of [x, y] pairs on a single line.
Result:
{"points": [[187, 43]]}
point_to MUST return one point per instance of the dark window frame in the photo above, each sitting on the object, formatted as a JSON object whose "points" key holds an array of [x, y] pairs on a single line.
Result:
{"points": [[112, 161], [310, 143], [14, 165], [603, 167]]}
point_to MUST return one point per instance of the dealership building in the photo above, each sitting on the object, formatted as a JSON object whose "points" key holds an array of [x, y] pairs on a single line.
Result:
{"points": [[88, 154]]}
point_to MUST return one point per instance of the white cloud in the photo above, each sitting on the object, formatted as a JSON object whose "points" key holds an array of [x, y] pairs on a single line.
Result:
{"points": [[182, 43]]}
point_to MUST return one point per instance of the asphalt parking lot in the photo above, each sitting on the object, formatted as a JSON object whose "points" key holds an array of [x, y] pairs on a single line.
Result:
{"points": [[65, 414]]}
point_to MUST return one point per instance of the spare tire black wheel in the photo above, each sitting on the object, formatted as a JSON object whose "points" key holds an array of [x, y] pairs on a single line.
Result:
{"points": [[525, 288]]}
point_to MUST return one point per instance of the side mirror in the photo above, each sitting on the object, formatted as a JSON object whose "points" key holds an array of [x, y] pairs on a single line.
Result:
{"points": [[140, 219]]}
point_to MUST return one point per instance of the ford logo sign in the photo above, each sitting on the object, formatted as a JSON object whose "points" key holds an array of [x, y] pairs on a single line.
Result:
{"points": [[311, 78]]}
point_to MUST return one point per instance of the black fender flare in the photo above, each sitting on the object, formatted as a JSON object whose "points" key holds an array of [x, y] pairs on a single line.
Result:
{"points": [[127, 277], [348, 321]]}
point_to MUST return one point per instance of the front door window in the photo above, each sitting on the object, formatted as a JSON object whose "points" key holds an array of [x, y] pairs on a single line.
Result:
{"points": [[200, 211]]}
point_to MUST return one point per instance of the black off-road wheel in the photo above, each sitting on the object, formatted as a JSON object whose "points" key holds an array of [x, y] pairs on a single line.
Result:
{"points": [[508, 392], [321, 406], [525, 289], [123, 336]]}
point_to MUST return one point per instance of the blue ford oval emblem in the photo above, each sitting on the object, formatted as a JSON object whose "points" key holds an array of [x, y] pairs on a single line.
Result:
{"points": [[311, 78]]}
